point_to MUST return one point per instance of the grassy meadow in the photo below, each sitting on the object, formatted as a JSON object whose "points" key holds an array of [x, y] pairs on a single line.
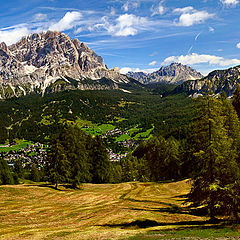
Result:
{"points": [[105, 211]]}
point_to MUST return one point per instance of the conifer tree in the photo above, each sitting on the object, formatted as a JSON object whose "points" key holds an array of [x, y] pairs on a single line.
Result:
{"points": [[35, 173], [18, 168], [236, 100], [213, 140], [5, 174], [100, 161], [59, 166]]}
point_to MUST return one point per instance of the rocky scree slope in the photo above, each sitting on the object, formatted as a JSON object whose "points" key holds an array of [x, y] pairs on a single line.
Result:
{"points": [[176, 73], [50, 62]]}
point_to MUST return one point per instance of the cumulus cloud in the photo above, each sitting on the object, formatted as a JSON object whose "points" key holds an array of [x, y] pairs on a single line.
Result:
{"points": [[195, 58], [158, 10], [229, 3], [190, 16], [11, 36], [125, 25], [67, 22], [238, 45], [128, 24], [153, 63]]}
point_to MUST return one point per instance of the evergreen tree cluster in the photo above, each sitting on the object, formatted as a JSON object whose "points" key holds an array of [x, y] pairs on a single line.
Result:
{"points": [[156, 160], [214, 147], [75, 157], [6, 176]]}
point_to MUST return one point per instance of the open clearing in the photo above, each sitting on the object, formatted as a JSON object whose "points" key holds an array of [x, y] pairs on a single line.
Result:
{"points": [[110, 211]]}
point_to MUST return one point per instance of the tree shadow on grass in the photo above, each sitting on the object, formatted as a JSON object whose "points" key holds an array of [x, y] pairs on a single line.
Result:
{"points": [[151, 223], [175, 210], [48, 185]]}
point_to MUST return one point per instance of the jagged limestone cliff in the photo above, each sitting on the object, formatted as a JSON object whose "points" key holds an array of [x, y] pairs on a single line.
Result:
{"points": [[49, 62]]}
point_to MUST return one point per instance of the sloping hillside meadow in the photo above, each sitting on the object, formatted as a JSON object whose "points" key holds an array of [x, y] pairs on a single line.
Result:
{"points": [[110, 211]]}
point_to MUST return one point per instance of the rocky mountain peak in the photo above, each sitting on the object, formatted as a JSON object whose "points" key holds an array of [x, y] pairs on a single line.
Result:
{"points": [[38, 60], [216, 81], [174, 73], [3, 47]]}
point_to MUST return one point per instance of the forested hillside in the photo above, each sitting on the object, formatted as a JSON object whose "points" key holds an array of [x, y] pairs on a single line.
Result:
{"points": [[35, 118]]}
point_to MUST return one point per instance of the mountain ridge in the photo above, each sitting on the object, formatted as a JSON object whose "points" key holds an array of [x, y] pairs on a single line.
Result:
{"points": [[176, 73], [38, 61], [216, 82]]}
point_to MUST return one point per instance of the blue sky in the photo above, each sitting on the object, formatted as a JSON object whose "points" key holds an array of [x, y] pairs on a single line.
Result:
{"points": [[136, 34]]}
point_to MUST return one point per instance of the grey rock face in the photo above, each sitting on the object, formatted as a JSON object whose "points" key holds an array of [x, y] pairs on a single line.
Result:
{"points": [[216, 81], [37, 61], [175, 73]]}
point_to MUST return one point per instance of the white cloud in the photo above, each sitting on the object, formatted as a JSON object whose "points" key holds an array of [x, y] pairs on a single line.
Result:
{"points": [[113, 11], [238, 45], [229, 3], [190, 16], [67, 22], [40, 17], [130, 5], [125, 70], [128, 24], [159, 10], [125, 25], [211, 29], [13, 35], [78, 30], [183, 10], [195, 58], [153, 63]]}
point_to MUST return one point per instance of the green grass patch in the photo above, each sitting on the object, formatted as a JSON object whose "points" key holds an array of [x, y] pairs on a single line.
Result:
{"points": [[123, 138], [97, 130], [214, 232], [145, 134], [22, 144]]}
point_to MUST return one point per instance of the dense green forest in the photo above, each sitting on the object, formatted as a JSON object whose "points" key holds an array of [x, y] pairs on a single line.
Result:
{"points": [[35, 118]]}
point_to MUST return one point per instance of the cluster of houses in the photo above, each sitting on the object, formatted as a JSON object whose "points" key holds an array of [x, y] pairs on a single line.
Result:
{"points": [[115, 157], [35, 153], [127, 143]]}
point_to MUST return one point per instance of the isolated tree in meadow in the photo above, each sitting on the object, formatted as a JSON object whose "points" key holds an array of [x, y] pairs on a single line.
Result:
{"points": [[59, 166], [214, 140], [68, 157]]}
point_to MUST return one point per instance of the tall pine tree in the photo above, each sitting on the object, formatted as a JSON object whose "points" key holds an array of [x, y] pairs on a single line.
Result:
{"points": [[215, 152]]}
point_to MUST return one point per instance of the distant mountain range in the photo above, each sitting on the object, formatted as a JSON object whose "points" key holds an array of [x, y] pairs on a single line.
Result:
{"points": [[50, 62], [216, 81], [176, 73]]}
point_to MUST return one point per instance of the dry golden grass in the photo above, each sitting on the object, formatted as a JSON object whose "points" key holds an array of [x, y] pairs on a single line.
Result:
{"points": [[96, 212]]}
